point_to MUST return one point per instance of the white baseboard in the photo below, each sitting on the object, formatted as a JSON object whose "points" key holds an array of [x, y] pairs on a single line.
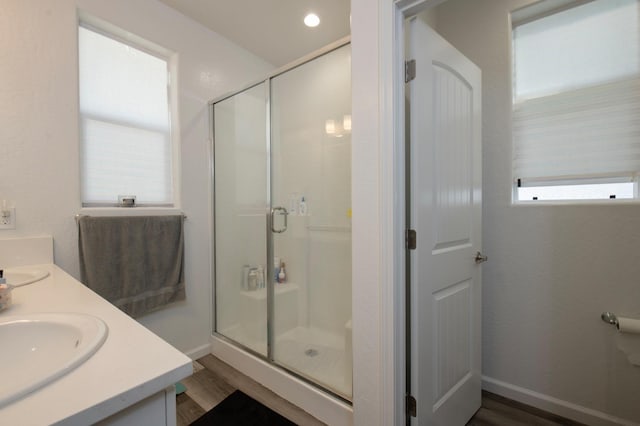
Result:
{"points": [[553, 405], [199, 352]]}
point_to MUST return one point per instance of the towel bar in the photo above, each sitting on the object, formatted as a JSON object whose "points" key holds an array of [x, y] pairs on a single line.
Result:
{"points": [[609, 318], [78, 216]]}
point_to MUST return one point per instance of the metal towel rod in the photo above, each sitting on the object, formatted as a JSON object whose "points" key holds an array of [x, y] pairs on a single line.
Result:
{"points": [[609, 318], [78, 216]]}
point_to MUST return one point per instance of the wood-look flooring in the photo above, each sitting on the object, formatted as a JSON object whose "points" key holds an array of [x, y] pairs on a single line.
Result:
{"points": [[213, 380]]}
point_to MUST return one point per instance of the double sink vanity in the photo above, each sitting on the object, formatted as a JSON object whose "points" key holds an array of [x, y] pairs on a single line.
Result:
{"points": [[71, 358]]}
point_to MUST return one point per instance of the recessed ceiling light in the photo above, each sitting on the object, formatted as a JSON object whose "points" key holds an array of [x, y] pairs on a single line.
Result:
{"points": [[311, 20]]}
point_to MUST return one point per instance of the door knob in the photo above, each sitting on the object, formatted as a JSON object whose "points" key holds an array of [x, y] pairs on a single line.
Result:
{"points": [[480, 258]]}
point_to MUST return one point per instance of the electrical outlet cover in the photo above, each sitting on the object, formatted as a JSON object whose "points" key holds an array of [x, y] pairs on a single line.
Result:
{"points": [[10, 221]]}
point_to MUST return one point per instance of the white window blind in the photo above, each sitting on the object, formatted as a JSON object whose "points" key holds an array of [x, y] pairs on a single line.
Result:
{"points": [[125, 126], [576, 99]]}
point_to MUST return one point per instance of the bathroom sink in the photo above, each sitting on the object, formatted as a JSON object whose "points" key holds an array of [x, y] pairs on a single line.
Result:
{"points": [[24, 275], [39, 348]]}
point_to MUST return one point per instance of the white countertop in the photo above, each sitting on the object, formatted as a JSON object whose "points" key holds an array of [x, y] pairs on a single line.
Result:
{"points": [[132, 364]]}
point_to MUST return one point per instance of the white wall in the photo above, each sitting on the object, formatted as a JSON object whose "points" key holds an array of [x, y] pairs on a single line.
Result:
{"points": [[39, 130], [552, 269], [368, 390]]}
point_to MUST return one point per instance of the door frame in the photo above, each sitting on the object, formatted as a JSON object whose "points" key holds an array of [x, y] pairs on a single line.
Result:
{"points": [[393, 222]]}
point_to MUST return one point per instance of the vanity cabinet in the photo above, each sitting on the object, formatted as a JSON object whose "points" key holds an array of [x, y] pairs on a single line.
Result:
{"points": [[157, 410]]}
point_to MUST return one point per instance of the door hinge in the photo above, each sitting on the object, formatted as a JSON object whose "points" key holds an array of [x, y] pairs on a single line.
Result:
{"points": [[412, 406], [409, 70], [411, 239]]}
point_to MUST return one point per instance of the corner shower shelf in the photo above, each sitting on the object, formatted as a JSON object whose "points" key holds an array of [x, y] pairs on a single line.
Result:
{"points": [[261, 294]]}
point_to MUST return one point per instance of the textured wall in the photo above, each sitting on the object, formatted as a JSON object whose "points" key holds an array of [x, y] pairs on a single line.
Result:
{"points": [[552, 269], [39, 168]]}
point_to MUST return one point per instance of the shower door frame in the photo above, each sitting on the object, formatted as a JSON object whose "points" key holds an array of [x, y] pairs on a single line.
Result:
{"points": [[269, 358]]}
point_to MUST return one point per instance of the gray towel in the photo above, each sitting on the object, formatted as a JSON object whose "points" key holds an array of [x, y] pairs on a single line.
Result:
{"points": [[135, 262]]}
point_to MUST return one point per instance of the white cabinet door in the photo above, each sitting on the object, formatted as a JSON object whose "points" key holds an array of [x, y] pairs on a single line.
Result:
{"points": [[445, 210], [157, 410]]}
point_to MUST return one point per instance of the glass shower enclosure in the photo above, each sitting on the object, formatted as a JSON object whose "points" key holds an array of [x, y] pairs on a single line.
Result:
{"points": [[282, 231]]}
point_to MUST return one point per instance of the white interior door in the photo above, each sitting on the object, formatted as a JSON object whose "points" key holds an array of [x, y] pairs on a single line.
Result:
{"points": [[445, 210]]}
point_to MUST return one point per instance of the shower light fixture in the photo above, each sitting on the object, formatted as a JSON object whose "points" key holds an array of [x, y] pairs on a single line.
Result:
{"points": [[330, 127], [311, 20], [346, 123], [338, 129]]}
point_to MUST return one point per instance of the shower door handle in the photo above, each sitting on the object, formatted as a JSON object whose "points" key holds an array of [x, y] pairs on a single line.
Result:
{"points": [[284, 213]]}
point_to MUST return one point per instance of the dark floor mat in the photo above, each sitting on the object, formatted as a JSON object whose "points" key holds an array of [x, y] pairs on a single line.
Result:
{"points": [[238, 409]]}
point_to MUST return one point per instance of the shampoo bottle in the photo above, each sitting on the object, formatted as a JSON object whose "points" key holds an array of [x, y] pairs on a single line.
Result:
{"points": [[245, 277], [261, 276], [276, 269]]}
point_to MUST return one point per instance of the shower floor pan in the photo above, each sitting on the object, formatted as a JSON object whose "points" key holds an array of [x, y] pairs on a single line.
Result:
{"points": [[316, 354]]}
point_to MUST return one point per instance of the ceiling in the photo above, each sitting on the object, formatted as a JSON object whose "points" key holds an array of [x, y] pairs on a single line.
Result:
{"points": [[271, 29]]}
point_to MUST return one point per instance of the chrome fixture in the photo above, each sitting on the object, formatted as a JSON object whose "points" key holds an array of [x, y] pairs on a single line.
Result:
{"points": [[609, 318], [283, 212]]}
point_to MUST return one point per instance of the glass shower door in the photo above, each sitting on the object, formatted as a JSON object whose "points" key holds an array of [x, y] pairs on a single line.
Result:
{"points": [[311, 180], [282, 203], [241, 211]]}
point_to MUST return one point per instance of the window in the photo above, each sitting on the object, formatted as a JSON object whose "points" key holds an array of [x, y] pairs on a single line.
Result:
{"points": [[576, 100], [126, 143]]}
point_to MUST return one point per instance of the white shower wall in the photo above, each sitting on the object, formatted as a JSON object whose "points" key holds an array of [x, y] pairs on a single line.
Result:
{"points": [[308, 162]]}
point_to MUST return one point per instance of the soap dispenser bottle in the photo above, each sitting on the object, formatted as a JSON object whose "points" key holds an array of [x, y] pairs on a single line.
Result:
{"points": [[282, 275], [5, 292], [302, 208]]}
